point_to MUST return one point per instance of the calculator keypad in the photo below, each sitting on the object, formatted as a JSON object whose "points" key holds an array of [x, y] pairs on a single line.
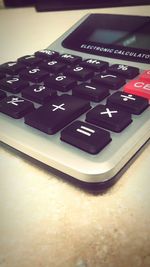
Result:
{"points": [[113, 81], [84, 136], [138, 87], [11, 68], [29, 60], [2, 95], [130, 103], [57, 113], [16, 107], [46, 54], [60, 82], [96, 65], [69, 59], [53, 66], [61, 86], [90, 91], [2, 75], [38, 93], [145, 76], [126, 71], [79, 72], [113, 119], [13, 84], [36, 75]]}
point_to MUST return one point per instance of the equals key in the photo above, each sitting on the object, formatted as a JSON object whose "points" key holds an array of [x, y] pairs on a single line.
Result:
{"points": [[84, 136]]}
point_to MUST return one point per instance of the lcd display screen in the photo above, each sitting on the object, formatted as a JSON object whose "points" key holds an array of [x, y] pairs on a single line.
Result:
{"points": [[123, 38], [120, 36]]}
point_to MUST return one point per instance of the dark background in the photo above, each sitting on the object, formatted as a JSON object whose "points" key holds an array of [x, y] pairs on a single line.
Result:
{"points": [[50, 5]]}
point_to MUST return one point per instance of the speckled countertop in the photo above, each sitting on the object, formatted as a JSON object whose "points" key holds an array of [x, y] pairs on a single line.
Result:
{"points": [[46, 221]]}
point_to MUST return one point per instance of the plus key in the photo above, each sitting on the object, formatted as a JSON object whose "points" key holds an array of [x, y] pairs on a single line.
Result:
{"points": [[56, 114]]}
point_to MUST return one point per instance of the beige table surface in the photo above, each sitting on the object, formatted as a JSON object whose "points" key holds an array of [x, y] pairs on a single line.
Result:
{"points": [[46, 221]]}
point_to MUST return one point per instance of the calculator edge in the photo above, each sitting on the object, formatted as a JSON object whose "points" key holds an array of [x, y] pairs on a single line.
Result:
{"points": [[81, 169], [109, 169]]}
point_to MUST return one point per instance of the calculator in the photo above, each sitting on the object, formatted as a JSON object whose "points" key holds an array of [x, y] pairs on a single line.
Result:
{"points": [[81, 106]]}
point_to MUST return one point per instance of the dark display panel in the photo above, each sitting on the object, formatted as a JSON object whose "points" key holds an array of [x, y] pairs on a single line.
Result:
{"points": [[104, 34]]}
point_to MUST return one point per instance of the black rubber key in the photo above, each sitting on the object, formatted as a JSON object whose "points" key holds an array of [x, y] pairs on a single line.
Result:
{"points": [[39, 93], [86, 137], [55, 115], [11, 67], [53, 66], [60, 82], [69, 59], [112, 119], [131, 103], [2, 95], [2, 76], [29, 60], [16, 107], [79, 72], [127, 71], [13, 84], [90, 91], [114, 81], [46, 54], [95, 64], [34, 75]]}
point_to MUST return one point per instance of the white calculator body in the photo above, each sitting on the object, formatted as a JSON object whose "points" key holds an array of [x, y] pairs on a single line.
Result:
{"points": [[95, 115]]}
